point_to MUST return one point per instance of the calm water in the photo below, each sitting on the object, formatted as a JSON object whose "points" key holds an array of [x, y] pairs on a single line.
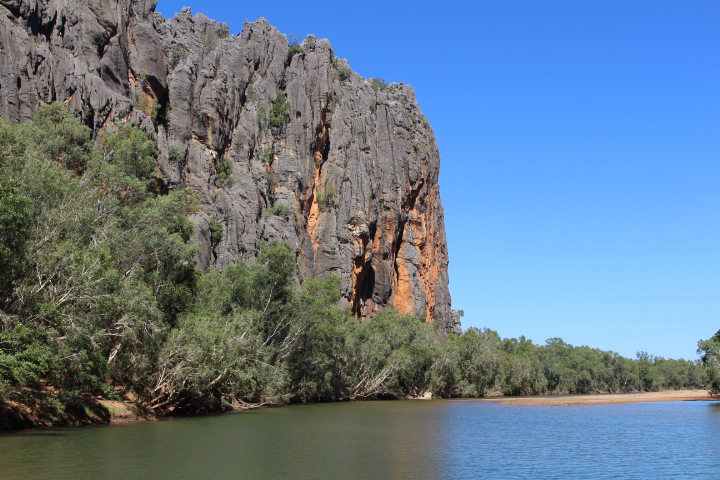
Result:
{"points": [[401, 439]]}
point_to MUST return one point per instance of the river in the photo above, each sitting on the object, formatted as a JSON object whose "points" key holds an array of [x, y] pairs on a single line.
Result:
{"points": [[390, 439]]}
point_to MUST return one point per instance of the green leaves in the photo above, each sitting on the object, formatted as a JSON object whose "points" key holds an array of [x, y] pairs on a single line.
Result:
{"points": [[98, 291], [15, 218], [280, 111], [710, 351], [59, 135], [95, 265]]}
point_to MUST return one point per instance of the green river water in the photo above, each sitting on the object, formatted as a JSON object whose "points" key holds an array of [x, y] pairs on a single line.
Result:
{"points": [[391, 439]]}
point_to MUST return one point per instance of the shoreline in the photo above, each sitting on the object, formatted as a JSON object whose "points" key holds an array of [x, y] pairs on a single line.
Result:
{"points": [[608, 398], [91, 411], [15, 417]]}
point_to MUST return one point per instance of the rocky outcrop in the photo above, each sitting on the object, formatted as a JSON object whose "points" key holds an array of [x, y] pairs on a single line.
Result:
{"points": [[279, 143]]}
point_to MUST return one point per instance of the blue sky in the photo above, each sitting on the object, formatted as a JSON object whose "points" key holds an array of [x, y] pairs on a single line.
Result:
{"points": [[580, 145]]}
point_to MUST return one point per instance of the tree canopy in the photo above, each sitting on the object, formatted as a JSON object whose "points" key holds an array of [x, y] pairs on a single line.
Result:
{"points": [[99, 296]]}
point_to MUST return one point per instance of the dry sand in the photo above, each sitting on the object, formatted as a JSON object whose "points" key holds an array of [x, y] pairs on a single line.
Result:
{"points": [[609, 398]]}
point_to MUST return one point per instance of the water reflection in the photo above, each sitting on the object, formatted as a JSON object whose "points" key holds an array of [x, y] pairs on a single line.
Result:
{"points": [[420, 439]]}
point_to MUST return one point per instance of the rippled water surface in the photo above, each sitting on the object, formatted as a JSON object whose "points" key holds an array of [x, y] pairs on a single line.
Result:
{"points": [[401, 439]]}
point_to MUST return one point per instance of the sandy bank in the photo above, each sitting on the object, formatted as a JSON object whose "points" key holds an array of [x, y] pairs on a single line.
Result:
{"points": [[609, 398]]}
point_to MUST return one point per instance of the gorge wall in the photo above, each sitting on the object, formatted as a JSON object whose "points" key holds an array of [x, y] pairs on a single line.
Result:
{"points": [[279, 143]]}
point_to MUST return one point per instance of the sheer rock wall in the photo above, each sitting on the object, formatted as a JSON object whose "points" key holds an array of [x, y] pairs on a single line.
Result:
{"points": [[349, 177]]}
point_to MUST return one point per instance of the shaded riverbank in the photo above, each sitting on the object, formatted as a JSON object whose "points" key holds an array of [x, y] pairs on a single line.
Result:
{"points": [[97, 411], [87, 410]]}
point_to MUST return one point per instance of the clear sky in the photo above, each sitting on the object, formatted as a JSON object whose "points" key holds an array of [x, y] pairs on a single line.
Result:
{"points": [[580, 146]]}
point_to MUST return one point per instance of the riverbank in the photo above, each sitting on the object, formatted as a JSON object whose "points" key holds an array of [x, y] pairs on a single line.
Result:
{"points": [[90, 410], [87, 410], [96, 411], [608, 398]]}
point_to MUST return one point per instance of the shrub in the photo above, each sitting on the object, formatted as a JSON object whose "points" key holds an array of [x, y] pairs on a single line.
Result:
{"points": [[294, 49], [150, 107], [212, 38], [224, 170], [379, 84], [262, 118], [216, 230], [272, 179], [416, 146], [280, 111], [178, 53], [328, 198], [154, 108], [268, 155], [279, 211], [175, 154], [341, 73], [251, 93]]}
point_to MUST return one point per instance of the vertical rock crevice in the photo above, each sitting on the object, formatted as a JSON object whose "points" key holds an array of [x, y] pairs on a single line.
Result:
{"points": [[350, 170]]}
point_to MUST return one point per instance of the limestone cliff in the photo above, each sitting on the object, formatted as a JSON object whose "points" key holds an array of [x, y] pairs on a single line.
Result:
{"points": [[279, 143]]}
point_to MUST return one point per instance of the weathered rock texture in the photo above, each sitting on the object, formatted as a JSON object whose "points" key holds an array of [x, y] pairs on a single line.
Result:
{"points": [[348, 175]]}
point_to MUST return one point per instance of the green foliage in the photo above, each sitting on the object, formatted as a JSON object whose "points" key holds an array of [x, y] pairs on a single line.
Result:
{"points": [[106, 255], [416, 146], [268, 155], [129, 150], [225, 170], [175, 154], [280, 112], [710, 357], [480, 363], [251, 93], [341, 72], [15, 223], [379, 84], [150, 106], [262, 118], [216, 230], [295, 48], [98, 293], [212, 38], [390, 354], [272, 179], [280, 211], [327, 199], [59, 135], [178, 53], [155, 108]]}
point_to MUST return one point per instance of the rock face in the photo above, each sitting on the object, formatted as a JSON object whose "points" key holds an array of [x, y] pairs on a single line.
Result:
{"points": [[279, 143]]}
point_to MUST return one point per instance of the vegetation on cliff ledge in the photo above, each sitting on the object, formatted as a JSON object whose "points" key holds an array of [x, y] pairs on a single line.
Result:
{"points": [[99, 297]]}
